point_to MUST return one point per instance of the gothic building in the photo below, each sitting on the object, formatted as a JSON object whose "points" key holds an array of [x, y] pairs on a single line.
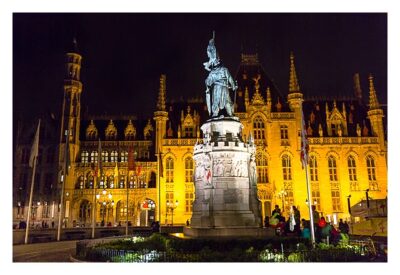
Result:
{"points": [[348, 153]]}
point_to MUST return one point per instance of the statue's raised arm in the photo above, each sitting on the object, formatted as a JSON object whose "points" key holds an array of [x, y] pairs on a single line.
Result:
{"points": [[218, 83]]}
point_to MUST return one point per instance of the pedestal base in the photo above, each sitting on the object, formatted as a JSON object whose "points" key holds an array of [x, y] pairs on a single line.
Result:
{"points": [[194, 232]]}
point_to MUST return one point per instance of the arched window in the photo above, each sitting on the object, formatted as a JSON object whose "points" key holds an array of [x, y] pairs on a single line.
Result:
{"points": [[313, 164], [188, 169], [333, 178], [315, 193], [332, 169], [371, 169], [122, 181], [258, 129], [169, 170], [104, 156], [286, 167], [80, 183], [93, 156], [351, 164], [124, 156], [85, 157], [262, 168], [111, 182], [114, 156], [89, 183]]}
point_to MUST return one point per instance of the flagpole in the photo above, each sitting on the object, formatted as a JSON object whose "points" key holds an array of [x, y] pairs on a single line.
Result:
{"points": [[309, 207], [305, 165], [159, 188], [94, 206], [32, 163], [28, 219], [63, 184], [127, 204]]}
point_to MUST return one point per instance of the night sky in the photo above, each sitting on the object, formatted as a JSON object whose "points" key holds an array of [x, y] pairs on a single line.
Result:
{"points": [[124, 55]]}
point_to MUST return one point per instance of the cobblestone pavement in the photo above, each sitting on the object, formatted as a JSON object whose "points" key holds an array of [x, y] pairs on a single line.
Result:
{"points": [[44, 252]]}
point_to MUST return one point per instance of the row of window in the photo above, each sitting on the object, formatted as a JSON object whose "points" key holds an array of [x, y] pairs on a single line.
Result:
{"points": [[115, 182], [112, 157], [262, 169]]}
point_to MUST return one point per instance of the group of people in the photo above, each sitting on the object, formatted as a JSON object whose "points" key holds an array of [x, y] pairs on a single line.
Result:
{"points": [[295, 226]]}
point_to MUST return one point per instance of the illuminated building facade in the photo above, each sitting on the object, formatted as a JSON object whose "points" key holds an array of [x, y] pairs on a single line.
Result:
{"points": [[348, 153]]}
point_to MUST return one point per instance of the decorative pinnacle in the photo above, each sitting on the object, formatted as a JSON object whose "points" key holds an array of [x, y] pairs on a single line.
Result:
{"points": [[373, 99], [293, 83], [162, 93]]}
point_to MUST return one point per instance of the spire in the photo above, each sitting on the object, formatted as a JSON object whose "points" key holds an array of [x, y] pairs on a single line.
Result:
{"points": [[293, 84], [162, 93], [373, 100]]}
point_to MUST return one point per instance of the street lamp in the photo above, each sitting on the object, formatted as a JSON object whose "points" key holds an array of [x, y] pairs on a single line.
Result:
{"points": [[282, 195], [106, 202], [172, 206]]}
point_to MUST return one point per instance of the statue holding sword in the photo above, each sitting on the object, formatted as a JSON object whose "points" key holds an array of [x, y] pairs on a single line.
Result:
{"points": [[218, 83]]}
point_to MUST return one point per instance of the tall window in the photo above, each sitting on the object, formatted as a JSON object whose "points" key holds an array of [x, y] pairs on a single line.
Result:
{"points": [[124, 156], [169, 198], [114, 156], [189, 201], [315, 193], [336, 207], [333, 178], [284, 135], [85, 157], [313, 168], [286, 167], [188, 169], [351, 164], [169, 170], [81, 182], [258, 128], [94, 156], [262, 168], [371, 169], [104, 156], [332, 169]]}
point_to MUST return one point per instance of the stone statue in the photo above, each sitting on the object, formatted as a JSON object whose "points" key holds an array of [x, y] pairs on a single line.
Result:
{"points": [[218, 83]]}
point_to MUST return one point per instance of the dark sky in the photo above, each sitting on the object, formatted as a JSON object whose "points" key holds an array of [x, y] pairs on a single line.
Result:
{"points": [[124, 55]]}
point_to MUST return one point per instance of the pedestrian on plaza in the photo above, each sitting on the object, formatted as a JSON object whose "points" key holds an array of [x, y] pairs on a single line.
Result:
{"points": [[276, 210], [296, 214]]}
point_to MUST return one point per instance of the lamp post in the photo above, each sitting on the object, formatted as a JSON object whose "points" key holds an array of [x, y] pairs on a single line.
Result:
{"points": [[282, 195], [172, 207], [105, 201], [366, 195]]}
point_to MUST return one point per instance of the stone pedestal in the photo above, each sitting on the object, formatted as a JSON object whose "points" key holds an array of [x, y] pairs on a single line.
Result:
{"points": [[225, 182]]}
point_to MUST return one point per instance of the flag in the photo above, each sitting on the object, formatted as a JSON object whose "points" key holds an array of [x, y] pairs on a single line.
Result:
{"points": [[161, 164], [35, 147], [131, 160], [304, 142]]}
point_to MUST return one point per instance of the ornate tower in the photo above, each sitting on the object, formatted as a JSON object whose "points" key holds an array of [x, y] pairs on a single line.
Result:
{"points": [[375, 114], [295, 97], [161, 115], [70, 117]]}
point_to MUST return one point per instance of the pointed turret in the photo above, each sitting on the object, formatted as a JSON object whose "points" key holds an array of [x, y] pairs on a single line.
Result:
{"points": [[373, 100], [375, 114], [161, 115], [162, 93], [293, 83]]}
